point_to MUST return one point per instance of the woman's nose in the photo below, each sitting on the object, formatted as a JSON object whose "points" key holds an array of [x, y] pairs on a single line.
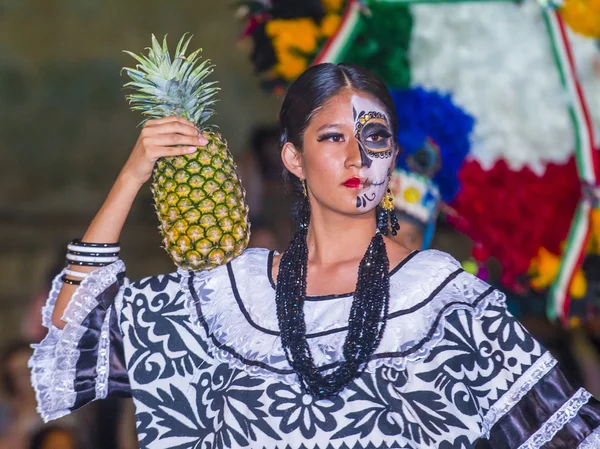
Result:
{"points": [[356, 155]]}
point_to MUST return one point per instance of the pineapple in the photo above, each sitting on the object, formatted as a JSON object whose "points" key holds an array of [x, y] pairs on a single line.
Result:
{"points": [[199, 199]]}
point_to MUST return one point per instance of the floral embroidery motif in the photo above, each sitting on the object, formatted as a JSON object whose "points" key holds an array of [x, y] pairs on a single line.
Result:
{"points": [[299, 410]]}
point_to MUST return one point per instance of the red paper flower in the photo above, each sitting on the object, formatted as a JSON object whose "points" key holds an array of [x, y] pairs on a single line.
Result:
{"points": [[511, 214]]}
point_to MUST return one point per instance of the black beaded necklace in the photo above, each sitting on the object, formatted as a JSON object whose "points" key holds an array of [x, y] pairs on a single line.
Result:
{"points": [[366, 323]]}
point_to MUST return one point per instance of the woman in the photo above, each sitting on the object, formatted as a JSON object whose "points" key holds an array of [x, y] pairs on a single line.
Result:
{"points": [[270, 351]]}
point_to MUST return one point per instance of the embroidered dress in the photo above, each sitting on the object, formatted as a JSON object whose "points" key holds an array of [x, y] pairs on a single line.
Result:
{"points": [[201, 355]]}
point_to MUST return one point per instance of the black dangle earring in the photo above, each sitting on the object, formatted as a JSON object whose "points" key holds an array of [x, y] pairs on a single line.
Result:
{"points": [[386, 217], [304, 211]]}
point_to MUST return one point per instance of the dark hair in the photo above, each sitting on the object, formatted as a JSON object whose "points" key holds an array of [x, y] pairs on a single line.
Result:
{"points": [[315, 87]]}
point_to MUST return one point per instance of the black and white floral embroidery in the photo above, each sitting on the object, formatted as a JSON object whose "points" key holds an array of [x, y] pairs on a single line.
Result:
{"points": [[162, 324], [390, 406], [506, 330], [299, 410], [233, 399]]}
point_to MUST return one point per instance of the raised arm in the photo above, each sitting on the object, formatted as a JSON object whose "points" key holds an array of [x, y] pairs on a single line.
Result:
{"points": [[81, 359], [169, 136]]}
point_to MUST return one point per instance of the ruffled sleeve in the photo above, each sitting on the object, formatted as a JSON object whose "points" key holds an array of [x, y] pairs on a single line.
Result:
{"points": [[84, 361], [525, 399]]}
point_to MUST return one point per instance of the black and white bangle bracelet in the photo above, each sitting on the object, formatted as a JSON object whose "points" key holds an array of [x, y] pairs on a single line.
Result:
{"points": [[85, 250], [85, 254], [88, 264], [97, 246], [94, 259], [78, 275], [95, 254], [66, 280]]}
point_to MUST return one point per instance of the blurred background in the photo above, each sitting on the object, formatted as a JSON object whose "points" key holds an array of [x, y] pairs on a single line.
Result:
{"points": [[66, 130]]}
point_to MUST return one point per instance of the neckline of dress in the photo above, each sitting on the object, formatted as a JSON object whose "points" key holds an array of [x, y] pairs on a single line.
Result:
{"points": [[393, 271]]}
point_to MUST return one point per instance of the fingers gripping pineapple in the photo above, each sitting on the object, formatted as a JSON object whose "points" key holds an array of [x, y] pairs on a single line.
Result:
{"points": [[198, 197]]}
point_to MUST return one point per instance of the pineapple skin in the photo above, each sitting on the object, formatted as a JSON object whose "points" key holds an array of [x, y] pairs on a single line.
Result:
{"points": [[200, 203]]}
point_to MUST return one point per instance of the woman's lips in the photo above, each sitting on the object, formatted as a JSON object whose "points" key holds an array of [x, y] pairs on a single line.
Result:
{"points": [[353, 183]]}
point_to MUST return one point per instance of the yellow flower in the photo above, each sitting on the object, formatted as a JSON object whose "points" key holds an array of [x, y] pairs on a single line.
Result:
{"points": [[583, 16], [332, 5], [578, 287], [574, 321], [595, 222], [300, 34], [544, 269], [290, 66], [281, 32], [330, 24]]}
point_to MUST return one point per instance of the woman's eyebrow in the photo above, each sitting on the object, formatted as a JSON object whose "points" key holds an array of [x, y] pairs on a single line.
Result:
{"points": [[329, 125]]}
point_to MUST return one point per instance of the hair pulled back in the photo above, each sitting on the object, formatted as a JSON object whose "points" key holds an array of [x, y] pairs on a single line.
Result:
{"points": [[313, 89]]}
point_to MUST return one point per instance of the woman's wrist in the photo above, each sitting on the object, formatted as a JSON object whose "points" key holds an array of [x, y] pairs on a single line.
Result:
{"points": [[127, 181]]}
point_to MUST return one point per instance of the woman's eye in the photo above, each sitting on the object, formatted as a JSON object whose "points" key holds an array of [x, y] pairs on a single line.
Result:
{"points": [[331, 137], [374, 138]]}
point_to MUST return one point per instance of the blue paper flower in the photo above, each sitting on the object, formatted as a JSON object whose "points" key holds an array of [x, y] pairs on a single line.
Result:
{"points": [[424, 115]]}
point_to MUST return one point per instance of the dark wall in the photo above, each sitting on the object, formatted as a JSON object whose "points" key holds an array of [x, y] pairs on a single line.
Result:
{"points": [[65, 128]]}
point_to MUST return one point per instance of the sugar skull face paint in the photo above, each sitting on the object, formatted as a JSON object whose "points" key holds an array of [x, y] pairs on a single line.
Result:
{"points": [[376, 144]]}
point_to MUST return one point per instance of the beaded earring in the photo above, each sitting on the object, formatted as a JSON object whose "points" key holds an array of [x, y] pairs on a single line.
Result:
{"points": [[304, 209], [386, 217]]}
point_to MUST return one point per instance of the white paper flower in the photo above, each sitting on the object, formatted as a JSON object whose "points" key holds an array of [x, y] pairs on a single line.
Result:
{"points": [[497, 61]]}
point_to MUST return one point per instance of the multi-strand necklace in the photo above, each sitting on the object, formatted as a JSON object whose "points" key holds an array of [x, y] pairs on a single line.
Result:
{"points": [[366, 322]]}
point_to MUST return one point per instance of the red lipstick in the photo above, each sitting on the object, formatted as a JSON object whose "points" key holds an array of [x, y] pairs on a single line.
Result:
{"points": [[353, 183]]}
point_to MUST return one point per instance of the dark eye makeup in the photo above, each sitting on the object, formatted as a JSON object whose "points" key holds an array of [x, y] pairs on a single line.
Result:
{"points": [[380, 134]]}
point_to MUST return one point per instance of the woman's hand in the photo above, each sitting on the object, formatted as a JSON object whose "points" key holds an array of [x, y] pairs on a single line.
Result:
{"points": [[169, 136]]}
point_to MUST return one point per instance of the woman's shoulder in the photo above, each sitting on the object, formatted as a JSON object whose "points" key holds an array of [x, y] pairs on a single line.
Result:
{"points": [[423, 263], [433, 278], [427, 291]]}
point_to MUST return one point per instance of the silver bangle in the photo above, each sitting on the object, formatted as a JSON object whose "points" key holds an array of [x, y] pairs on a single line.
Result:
{"points": [[76, 274], [74, 258]]}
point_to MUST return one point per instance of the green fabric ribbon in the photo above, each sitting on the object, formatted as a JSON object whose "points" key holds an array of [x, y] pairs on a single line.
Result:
{"points": [[383, 42]]}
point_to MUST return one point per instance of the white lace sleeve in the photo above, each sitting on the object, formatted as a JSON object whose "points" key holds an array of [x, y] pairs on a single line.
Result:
{"points": [[68, 370]]}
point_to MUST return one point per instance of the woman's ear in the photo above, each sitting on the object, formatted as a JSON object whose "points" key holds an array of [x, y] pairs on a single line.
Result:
{"points": [[292, 160]]}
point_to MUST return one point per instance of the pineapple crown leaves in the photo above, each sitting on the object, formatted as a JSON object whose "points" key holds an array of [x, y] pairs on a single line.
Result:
{"points": [[166, 87]]}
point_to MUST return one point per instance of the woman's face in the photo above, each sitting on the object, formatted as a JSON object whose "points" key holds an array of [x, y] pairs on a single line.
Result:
{"points": [[348, 153]]}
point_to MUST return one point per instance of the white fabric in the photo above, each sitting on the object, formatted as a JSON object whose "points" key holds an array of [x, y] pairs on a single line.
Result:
{"points": [[496, 60], [54, 360], [227, 322]]}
